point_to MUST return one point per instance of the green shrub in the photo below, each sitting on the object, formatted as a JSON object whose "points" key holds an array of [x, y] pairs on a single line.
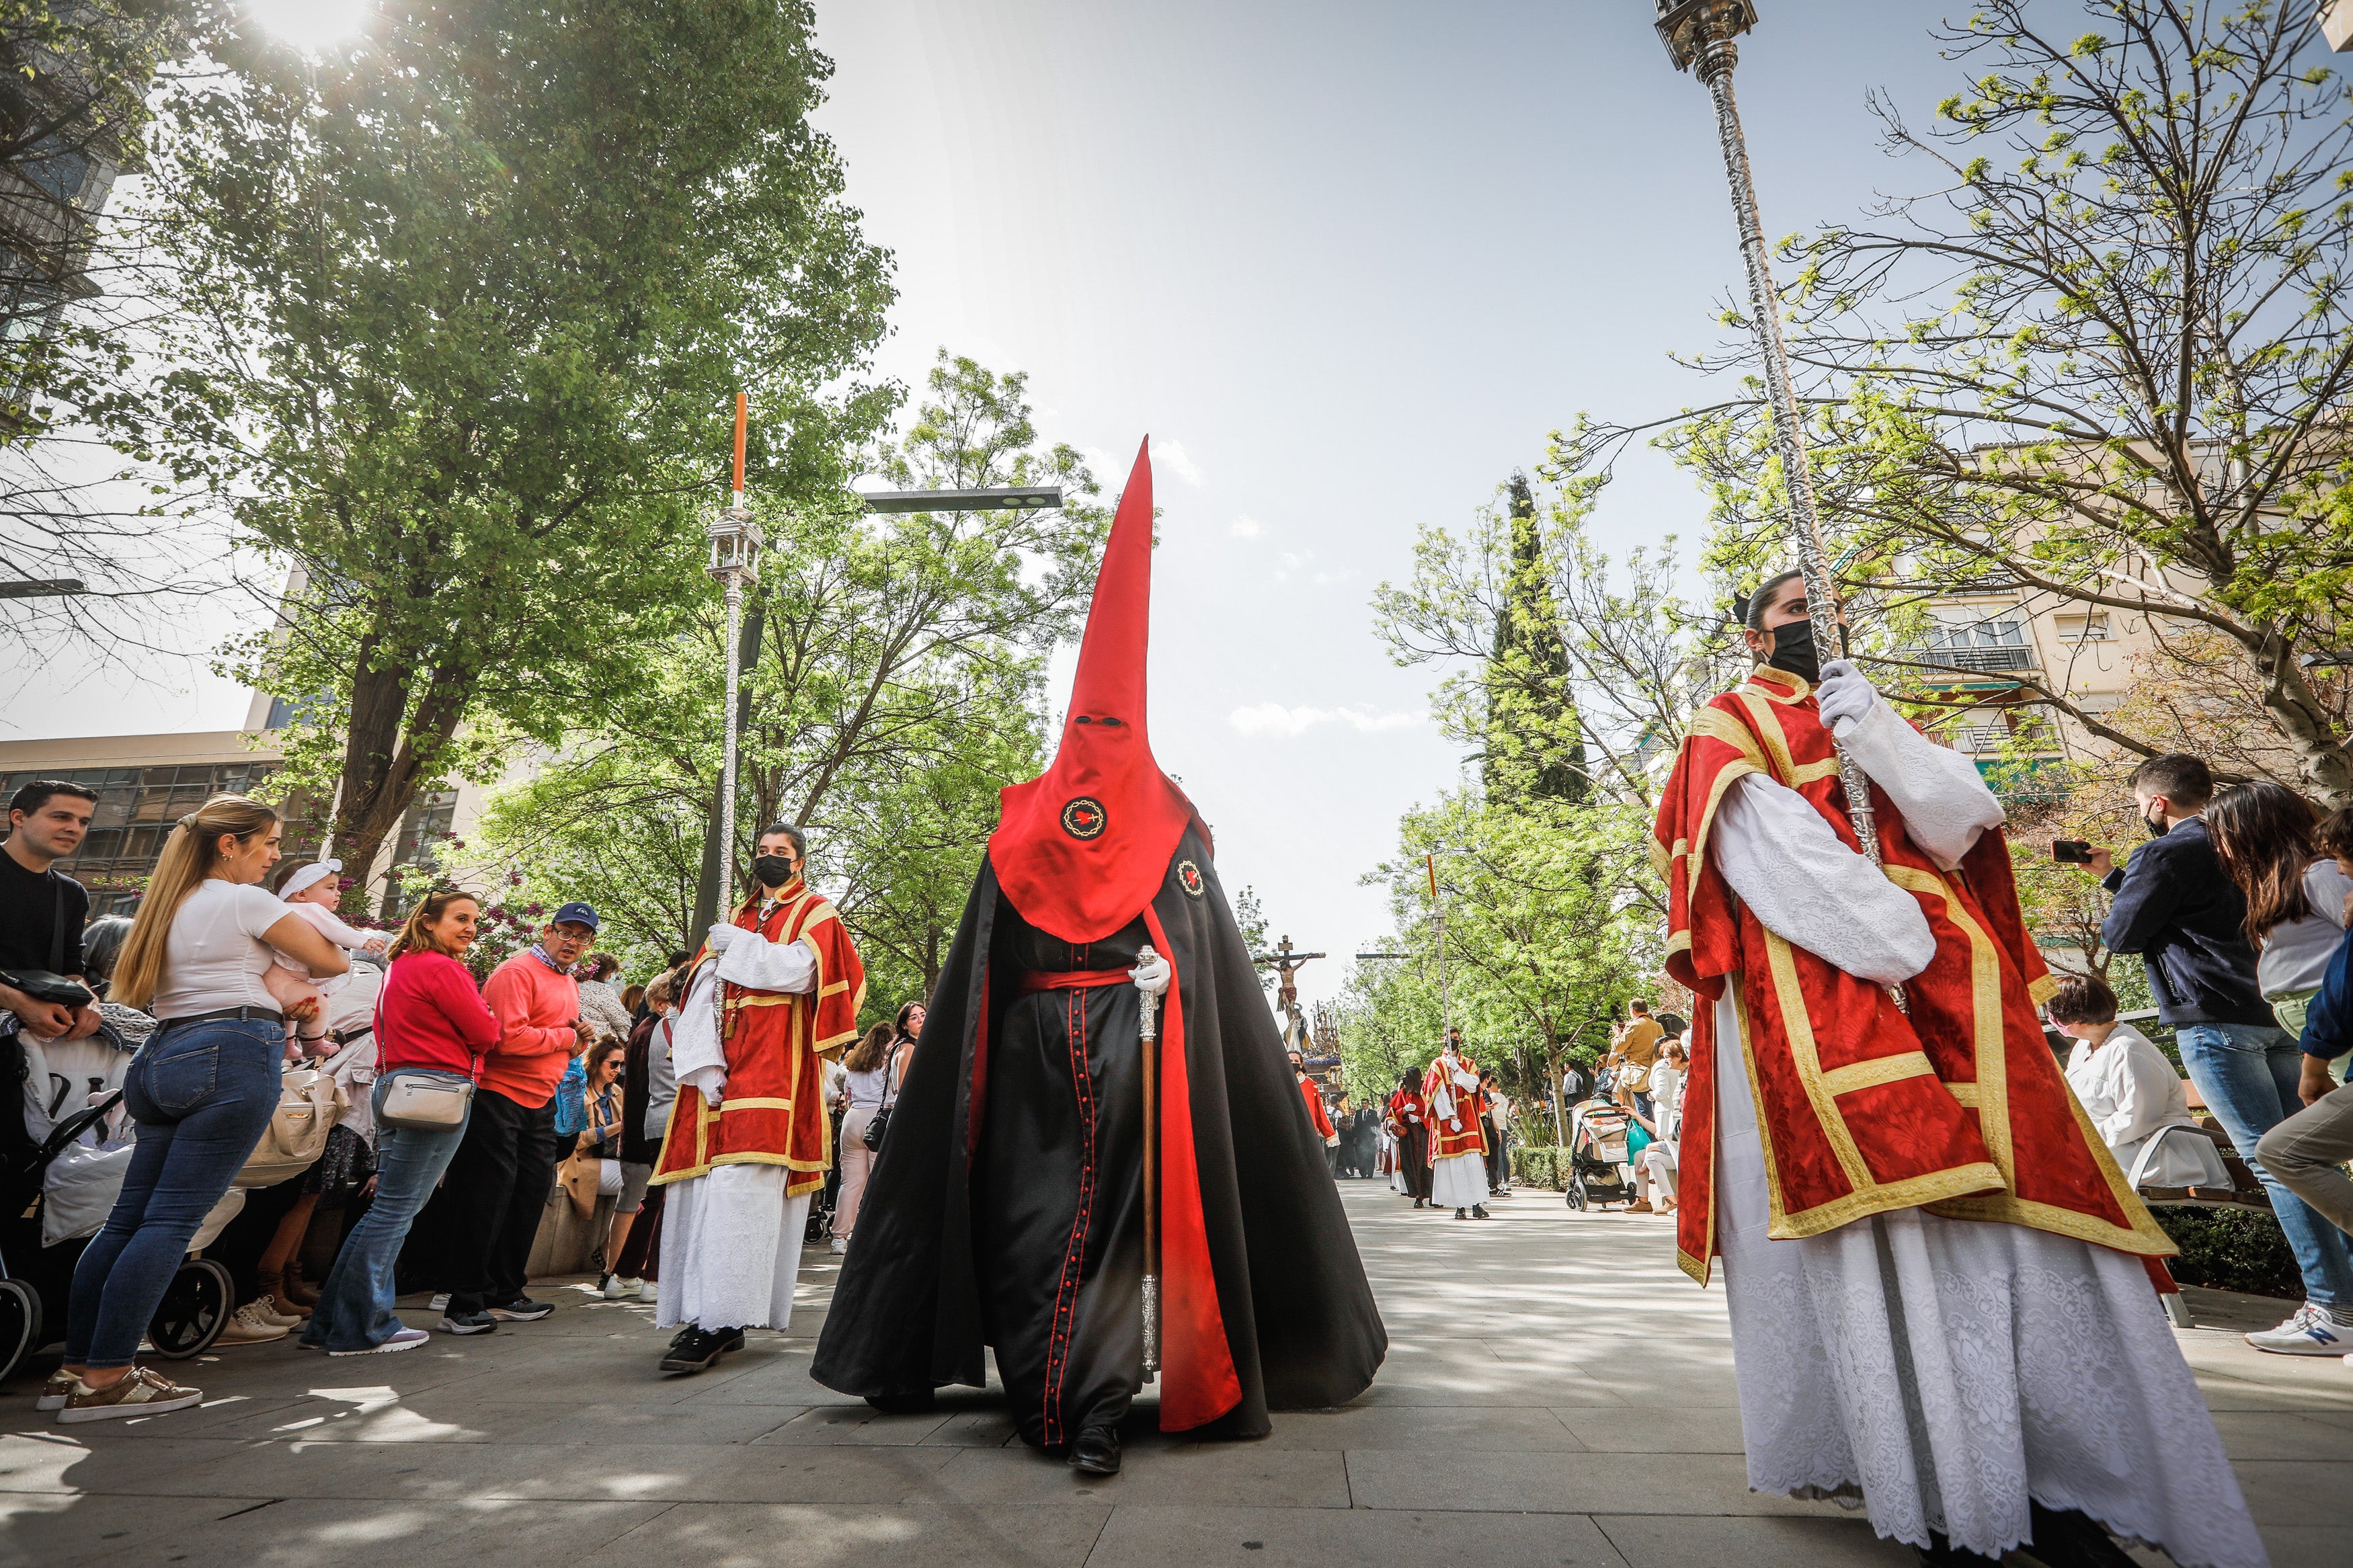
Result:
{"points": [[2231, 1249], [1541, 1167]]}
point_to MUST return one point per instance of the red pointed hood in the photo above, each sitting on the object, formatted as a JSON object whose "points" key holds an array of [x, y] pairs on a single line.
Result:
{"points": [[1082, 848]]}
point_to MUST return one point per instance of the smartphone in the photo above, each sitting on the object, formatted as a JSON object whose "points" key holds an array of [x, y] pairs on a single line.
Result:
{"points": [[2072, 851]]}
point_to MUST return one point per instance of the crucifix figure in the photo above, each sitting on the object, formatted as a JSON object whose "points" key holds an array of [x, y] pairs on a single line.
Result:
{"points": [[1286, 964]]}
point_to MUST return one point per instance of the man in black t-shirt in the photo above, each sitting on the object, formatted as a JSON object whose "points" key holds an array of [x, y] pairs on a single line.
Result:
{"points": [[42, 910]]}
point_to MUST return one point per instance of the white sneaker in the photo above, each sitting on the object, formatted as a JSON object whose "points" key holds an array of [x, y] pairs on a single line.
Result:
{"points": [[403, 1339], [246, 1326], [269, 1313], [439, 1302], [2313, 1331], [841, 1243], [620, 1290], [649, 1294]]}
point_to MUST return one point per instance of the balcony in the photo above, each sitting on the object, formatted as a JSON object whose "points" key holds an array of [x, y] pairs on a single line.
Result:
{"points": [[1983, 660]]}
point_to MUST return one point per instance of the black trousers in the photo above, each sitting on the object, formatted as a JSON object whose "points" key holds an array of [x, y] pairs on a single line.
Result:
{"points": [[1413, 1152], [1498, 1163], [487, 1212]]}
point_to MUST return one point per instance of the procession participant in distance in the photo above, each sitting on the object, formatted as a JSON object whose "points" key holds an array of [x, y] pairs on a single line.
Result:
{"points": [[1939, 1285], [1458, 1143], [1410, 1124], [749, 1139], [1321, 1119], [1006, 1207]]}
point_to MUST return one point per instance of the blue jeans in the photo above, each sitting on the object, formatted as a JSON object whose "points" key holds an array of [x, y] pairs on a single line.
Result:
{"points": [[202, 1095], [2247, 1073], [354, 1309]]}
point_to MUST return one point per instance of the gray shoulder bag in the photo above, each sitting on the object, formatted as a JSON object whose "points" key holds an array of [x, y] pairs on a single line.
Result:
{"points": [[426, 1101]]}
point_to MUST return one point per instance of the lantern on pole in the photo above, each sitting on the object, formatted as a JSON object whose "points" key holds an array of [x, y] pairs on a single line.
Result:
{"points": [[735, 540]]}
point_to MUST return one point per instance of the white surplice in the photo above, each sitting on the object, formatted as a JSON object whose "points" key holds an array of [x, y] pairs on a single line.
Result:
{"points": [[1945, 1370], [731, 1242]]}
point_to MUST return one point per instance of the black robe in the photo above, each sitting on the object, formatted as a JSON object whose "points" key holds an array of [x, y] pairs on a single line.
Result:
{"points": [[1018, 1223]]}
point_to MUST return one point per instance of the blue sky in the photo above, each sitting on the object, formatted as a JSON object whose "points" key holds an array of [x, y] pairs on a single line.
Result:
{"points": [[1347, 263]]}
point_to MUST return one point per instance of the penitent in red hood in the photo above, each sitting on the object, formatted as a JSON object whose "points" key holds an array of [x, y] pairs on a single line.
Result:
{"points": [[1083, 847]]}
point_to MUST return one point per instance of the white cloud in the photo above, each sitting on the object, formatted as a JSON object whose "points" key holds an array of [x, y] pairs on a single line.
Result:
{"points": [[1247, 528], [1172, 455], [1274, 719]]}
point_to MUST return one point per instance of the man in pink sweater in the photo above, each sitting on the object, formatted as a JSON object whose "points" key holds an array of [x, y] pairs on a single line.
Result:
{"points": [[487, 1212]]}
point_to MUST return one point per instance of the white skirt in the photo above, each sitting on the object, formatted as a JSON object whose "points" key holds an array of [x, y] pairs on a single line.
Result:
{"points": [[1459, 1181], [2029, 1364], [730, 1250]]}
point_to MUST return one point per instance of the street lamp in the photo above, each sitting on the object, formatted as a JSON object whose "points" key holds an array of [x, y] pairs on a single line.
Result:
{"points": [[1699, 36], [991, 498]]}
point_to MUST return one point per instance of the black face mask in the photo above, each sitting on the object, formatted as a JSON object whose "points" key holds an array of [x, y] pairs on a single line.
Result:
{"points": [[772, 870], [1794, 651], [2158, 827]]}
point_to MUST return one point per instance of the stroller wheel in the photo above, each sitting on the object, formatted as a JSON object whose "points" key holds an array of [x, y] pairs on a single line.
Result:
{"points": [[195, 1310], [1576, 1193], [20, 1324]]}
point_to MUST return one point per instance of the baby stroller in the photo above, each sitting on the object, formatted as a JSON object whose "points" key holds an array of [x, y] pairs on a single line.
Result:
{"points": [[36, 1278], [1598, 1155]]}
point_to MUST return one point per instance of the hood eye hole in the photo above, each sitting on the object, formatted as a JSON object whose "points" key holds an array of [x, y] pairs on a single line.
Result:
{"points": [[1082, 719], [1109, 720]]}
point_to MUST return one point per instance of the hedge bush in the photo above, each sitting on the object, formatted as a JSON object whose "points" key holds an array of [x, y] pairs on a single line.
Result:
{"points": [[2231, 1249], [1540, 1167]]}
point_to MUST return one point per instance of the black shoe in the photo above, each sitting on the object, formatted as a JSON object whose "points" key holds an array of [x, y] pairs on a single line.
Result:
{"points": [[1479, 1211], [1421, 1203], [900, 1403], [522, 1309], [1096, 1453], [697, 1350], [2069, 1538], [729, 1340], [1461, 1213], [467, 1323]]}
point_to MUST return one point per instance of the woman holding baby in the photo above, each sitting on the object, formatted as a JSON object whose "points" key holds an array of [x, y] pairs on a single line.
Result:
{"points": [[202, 1090]]}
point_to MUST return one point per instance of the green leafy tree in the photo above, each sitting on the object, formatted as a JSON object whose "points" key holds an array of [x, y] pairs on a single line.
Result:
{"points": [[455, 317]]}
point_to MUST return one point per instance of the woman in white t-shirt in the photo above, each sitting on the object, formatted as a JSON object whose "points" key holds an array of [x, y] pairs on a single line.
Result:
{"points": [[202, 1090]]}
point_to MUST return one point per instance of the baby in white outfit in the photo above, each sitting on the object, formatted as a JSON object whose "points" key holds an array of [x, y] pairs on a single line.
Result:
{"points": [[311, 893]]}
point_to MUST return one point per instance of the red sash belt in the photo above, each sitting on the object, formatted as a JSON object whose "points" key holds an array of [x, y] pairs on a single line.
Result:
{"points": [[1034, 980]]}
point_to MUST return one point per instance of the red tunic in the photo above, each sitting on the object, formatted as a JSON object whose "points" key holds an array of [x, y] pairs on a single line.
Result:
{"points": [[773, 1112], [1445, 1143], [1958, 1107], [1316, 1111]]}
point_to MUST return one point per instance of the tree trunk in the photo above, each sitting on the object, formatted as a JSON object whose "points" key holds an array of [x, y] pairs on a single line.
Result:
{"points": [[381, 781]]}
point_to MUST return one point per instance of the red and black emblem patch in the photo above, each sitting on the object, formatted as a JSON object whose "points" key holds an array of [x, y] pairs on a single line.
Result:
{"points": [[1188, 876], [1085, 818]]}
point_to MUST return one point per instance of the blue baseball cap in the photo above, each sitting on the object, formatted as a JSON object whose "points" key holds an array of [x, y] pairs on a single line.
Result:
{"points": [[576, 912]]}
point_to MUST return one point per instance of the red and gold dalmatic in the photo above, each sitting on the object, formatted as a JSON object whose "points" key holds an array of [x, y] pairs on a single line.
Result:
{"points": [[1958, 1107], [1445, 1143], [772, 1112]]}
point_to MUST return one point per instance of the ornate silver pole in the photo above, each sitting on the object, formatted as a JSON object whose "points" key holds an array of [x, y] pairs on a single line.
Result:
{"points": [[1699, 33], [734, 559], [1148, 1038]]}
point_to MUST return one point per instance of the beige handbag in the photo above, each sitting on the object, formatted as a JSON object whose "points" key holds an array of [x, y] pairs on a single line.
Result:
{"points": [[426, 1101], [309, 1103]]}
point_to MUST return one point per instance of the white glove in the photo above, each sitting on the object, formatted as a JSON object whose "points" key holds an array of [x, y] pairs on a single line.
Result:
{"points": [[721, 935], [710, 1081], [1454, 1124], [1846, 697], [1152, 977]]}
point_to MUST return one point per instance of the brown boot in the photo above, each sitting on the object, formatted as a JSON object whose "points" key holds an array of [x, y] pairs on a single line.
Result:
{"points": [[297, 1289], [274, 1292]]}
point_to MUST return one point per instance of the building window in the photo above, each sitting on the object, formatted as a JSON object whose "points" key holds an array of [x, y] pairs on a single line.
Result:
{"points": [[2090, 627], [138, 807], [422, 833]]}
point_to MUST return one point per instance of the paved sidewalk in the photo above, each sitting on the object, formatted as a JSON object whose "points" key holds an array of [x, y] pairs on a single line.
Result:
{"points": [[1556, 1394]]}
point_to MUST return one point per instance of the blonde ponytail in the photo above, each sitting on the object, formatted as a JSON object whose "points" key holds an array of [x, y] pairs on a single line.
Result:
{"points": [[189, 856]]}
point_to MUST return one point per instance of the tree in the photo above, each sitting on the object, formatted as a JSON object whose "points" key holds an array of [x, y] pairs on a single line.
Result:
{"points": [[898, 690], [2104, 356], [457, 314]]}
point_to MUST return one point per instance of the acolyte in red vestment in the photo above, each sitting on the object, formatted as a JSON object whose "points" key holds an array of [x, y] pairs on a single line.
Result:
{"points": [[1959, 1107]]}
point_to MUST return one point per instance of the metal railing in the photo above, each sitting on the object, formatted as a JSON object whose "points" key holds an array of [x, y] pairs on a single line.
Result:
{"points": [[1975, 659]]}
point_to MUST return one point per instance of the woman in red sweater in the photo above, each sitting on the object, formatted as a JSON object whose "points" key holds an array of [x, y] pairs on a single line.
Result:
{"points": [[430, 1021]]}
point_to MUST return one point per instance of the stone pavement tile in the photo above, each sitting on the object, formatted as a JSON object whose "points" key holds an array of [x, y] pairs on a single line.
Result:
{"points": [[1649, 1429], [902, 1535], [1222, 1537], [2305, 1546], [2228, 1393], [302, 1532], [1660, 1541], [1565, 1483], [1666, 1387], [430, 1419], [56, 1463], [828, 1426], [1432, 1428], [2297, 1492], [2272, 1434], [1157, 1470]]}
